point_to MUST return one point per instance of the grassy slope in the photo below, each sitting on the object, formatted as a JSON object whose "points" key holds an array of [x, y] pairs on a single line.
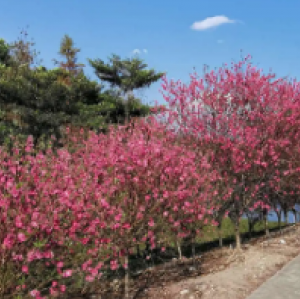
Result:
{"points": [[210, 233]]}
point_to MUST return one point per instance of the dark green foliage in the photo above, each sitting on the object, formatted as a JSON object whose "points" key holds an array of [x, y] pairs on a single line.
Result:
{"points": [[39, 104], [42, 102], [127, 75], [5, 58], [69, 53]]}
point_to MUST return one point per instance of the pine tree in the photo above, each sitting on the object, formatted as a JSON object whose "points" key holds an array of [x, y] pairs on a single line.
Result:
{"points": [[69, 52], [127, 75]]}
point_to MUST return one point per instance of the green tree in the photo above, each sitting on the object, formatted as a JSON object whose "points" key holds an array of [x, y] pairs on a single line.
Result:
{"points": [[69, 52], [5, 57], [41, 102], [127, 75], [36, 103], [23, 53]]}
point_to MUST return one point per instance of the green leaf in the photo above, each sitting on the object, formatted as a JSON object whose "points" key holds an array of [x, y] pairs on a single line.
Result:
{"points": [[40, 244]]}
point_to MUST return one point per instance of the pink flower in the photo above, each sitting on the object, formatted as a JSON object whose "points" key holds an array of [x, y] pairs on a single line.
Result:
{"points": [[18, 222], [48, 254], [89, 278], [176, 223], [94, 272], [86, 264], [187, 204], [67, 273], [35, 293], [53, 292], [99, 265], [18, 257], [21, 237], [126, 226], [84, 241], [118, 217], [25, 269], [104, 203], [34, 224], [116, 226], [60, 264], [151, 223], [114, 265]]}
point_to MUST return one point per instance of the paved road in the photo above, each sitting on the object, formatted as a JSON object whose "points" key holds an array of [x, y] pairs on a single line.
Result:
{"points": [[283, 285]]}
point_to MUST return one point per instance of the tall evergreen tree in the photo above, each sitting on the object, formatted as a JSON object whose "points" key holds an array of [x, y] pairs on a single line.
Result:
{"points": [[69, 52], [128, 75], [41, 102]]}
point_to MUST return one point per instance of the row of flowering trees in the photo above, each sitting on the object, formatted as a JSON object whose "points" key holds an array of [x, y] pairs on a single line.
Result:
{"points": [[247, 124], [227, 146]]}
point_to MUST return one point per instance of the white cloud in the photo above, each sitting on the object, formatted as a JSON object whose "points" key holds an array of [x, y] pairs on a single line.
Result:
{"points": [[136, 51], [211, 22], [139, 51]]}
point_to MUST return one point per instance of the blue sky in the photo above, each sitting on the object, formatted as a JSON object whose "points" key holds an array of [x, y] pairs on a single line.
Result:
{"points": [[168, 30]]}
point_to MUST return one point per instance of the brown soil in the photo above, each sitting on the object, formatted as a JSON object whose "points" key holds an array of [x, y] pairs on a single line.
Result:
{"points": [[230, 274], [217, 274]]}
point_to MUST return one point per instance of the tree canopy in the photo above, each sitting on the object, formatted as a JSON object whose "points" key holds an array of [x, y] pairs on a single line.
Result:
{"points": [[42, 102], [126, 75]]}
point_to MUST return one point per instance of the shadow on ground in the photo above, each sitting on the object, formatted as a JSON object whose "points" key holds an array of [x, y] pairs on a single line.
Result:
{"points": [[164, 267]]}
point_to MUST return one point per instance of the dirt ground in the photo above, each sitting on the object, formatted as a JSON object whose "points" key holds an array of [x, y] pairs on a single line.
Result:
{"points": [[224, 273], [221, 273]]}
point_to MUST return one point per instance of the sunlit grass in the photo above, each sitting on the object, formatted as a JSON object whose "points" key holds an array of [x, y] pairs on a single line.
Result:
{"points": [[210, 233]]}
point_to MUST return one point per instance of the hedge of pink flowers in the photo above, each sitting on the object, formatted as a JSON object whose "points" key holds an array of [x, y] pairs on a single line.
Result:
{"points": [[67, 216]]}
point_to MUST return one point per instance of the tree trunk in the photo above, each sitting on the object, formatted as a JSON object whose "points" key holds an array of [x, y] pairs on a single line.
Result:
{"points": [[138, 250], [238, 235], [250, 225], [266, 223], [267, 230], [279, 219], [194, 249], [179, 249], [220, 236], [128, 96], [148, 247], [285, 217], [126, 279]]}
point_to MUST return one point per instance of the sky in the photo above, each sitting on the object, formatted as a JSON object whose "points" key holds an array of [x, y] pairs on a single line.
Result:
{"points": [[171, 36]]}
